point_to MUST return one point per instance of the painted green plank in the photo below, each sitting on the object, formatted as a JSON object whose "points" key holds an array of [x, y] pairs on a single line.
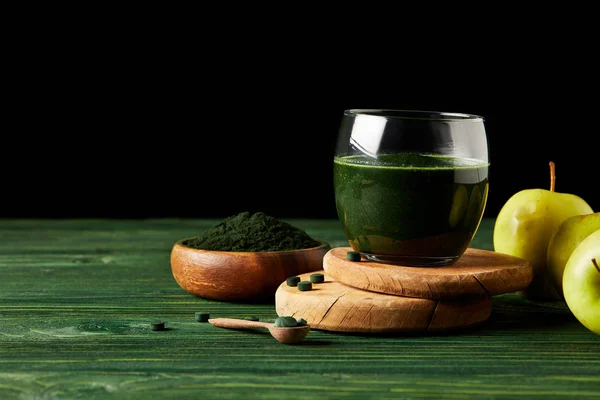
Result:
{"points": [[77, 298]]}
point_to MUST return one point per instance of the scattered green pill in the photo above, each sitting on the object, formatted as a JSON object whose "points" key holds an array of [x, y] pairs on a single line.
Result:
{"points": [[202, 316], [302, 322], [158, 325], [317, 278], [251, 318], [353, 256], [305, 285], [281, 322], [292, 280]]}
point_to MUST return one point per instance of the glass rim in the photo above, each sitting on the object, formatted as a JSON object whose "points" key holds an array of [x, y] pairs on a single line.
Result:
{"points": [[392, 113]]}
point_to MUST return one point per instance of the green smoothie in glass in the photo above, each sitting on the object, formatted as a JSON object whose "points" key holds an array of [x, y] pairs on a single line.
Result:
{"points": [[407, 207]]}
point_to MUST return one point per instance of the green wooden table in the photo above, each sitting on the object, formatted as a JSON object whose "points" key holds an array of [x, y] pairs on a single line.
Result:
{"points": [[77, 298]]}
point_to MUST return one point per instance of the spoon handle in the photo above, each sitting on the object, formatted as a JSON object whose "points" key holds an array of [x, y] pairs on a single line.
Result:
{"points": [[234, 323]]}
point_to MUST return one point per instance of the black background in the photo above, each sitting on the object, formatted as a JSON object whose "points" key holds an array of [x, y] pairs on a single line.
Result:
{"points": [[142, 127]]}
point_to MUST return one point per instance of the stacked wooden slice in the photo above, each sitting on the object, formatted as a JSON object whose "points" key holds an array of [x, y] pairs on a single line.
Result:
{"points": [[374, 297]]}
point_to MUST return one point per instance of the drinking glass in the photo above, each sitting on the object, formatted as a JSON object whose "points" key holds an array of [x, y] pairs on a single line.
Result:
{"points": [[410, 186]]}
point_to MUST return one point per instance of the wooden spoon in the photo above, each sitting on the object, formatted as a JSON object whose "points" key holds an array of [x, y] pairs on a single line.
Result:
{"points": [[286, 335]]}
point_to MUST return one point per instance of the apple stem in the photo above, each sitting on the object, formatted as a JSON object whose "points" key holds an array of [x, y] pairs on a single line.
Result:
{"points": [[595, 264], [552, 177]]}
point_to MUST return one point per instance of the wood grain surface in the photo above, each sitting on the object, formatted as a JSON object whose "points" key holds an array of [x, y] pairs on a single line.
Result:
{"points": [[77, 298], [478, 272], [334, 306]]}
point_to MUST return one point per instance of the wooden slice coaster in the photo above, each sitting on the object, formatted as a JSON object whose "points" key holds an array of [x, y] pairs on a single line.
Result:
{"points": [[334, 306], [477, 272]]}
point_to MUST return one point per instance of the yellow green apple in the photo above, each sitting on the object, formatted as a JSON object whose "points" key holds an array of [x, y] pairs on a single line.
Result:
{"points": [[581, 282], [524, 227], [565, 239]]}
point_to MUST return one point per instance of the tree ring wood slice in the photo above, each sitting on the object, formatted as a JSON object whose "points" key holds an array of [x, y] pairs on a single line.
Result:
{"points": [[334, 306], [477, 272]]}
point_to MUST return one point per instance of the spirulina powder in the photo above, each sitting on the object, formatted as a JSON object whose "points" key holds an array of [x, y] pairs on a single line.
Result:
{"points": [[253, 232]]}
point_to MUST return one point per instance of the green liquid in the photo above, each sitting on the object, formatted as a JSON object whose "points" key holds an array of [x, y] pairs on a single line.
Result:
{"points": [[410, 205]]}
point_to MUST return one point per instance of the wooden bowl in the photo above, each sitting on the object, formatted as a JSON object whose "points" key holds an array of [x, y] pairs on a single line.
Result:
{"points": [[240, 276]]}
